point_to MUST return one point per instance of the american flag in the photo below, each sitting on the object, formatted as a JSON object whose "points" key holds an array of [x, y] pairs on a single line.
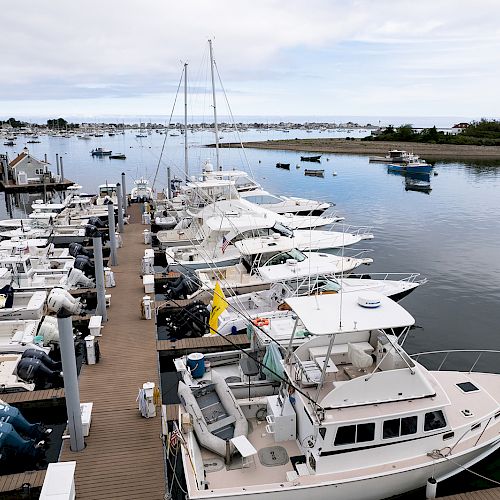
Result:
{"points": [[225, 243], [175, 437]]}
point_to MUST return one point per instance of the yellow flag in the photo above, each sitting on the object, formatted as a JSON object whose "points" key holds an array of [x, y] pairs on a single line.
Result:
{"points": [[219, 305]]}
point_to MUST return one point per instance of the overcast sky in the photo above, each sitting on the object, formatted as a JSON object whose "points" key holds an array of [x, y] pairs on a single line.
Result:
{"points": [[314, 57]]}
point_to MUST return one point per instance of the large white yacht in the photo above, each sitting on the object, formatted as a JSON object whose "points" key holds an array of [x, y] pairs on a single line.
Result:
{"points": [[356, 417]]}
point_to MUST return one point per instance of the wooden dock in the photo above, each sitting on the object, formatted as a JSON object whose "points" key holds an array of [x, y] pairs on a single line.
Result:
{"points": [[32, 396], [214, 343], [11, 187], [488, 494], [123, 458]]}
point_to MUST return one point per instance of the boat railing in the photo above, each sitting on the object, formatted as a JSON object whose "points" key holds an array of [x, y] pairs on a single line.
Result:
{"points": [[406, 277], [441, 357], [363, 231]]}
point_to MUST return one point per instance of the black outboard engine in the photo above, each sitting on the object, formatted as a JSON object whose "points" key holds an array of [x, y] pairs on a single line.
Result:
{"points": [[42, 356], [97, 222], [7, 294], [91, 231], [182, 287], [189, 321], [34, 370], [85, 265], [75, 249]]}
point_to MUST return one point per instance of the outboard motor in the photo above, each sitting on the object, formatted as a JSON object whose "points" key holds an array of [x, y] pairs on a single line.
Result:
{"points": [[17, 450], [43, 357], [75, 249], [185, 285], [83, 263], [97, 222], [77, 279], [59, 299], [35, 370], [13, 416], [49, 330], [189, 321], [91, 231]]}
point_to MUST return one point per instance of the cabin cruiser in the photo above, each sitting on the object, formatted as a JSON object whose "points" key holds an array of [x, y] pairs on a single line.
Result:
{"points": [[265, 261], [191, 229], [222, 232], [355, 418], [141, 191], [253, 192], [393, 156]]}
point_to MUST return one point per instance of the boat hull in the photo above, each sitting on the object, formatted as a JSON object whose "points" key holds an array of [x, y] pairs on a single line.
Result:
{"points": [[420, 169], [363, 488]]}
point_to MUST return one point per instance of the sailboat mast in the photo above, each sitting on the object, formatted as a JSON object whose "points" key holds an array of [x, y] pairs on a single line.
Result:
{"points": [[186, 167], [218, 166]]}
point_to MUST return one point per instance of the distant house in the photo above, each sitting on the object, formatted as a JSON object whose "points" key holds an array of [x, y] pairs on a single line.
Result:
{"points": [[25, 169], [459, 127]]}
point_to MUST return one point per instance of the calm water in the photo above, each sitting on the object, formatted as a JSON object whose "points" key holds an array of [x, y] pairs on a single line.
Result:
{"points": [[450, 235]]}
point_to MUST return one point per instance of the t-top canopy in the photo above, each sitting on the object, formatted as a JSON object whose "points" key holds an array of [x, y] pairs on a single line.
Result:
{"points": [[323, 315], [230, 221]]}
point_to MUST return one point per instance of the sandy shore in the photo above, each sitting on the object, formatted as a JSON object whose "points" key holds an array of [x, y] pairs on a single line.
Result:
{"points": [[342, 146]]}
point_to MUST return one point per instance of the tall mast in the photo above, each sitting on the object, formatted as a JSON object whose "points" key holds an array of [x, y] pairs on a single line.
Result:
{"points": [[186, 167], [218, 166]]}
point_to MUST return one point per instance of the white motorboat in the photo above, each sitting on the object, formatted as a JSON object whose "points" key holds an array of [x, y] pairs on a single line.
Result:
{"points": [[253, 192], [265, 261], [107, 193], [141, 191], [19, 272], [17, 336], [21, 305], [222, 232], [191, 229], [356, 417], [257, 307], [58, 235]]}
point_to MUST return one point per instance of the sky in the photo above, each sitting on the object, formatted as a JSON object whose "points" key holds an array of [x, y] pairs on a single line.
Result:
{"points": [[310, 58]]}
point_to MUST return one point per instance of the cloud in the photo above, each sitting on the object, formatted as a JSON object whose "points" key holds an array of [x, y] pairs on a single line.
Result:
{"points": [[59, 50]]}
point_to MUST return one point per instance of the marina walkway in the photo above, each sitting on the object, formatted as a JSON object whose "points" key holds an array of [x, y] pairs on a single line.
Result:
{"points": [[489, 494], [123, 458]]}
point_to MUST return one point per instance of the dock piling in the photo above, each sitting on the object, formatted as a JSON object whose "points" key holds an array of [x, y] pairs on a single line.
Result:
{"points": [[112, 234], [124, 193], [120, 207], [71, 389], [62, 169], [99, 278], [57, 163]]}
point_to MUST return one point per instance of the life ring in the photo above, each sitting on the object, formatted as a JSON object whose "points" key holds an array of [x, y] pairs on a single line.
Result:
{"points": [[261, 322]]}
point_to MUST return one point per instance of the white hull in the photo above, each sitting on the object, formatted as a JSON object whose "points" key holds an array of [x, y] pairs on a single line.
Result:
{"points": [[367, 488]]}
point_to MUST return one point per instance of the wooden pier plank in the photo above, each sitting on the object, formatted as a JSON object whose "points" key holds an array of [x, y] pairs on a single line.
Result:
{"points": [[123, 458], [488, 494]]}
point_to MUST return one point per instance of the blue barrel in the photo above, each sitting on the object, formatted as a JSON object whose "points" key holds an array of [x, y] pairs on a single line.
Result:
{"points": [[196, 363]]}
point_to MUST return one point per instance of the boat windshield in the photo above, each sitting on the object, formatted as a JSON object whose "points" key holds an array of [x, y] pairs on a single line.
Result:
{"points": [[263, 199], [283, 230], [282, 257]]}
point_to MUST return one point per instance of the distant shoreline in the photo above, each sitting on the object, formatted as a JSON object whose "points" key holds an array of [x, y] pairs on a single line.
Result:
{"points": [[379, 148]]}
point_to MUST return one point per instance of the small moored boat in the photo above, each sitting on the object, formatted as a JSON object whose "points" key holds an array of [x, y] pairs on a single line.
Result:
{"points": [[314, 173], [311, 158], [285, 166]]}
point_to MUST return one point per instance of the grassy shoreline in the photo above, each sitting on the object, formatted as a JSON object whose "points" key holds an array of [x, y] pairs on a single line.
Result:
{"points": [[379, 148]]}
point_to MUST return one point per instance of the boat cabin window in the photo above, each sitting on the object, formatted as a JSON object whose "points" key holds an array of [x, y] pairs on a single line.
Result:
{"points": [[282, 257], [434, 420], [283, 230], [400, 427], [350, 434], [107, 191]]}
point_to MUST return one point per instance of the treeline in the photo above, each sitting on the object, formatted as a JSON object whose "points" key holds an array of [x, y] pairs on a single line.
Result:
{"points": [[57, 123], [480, 133]]}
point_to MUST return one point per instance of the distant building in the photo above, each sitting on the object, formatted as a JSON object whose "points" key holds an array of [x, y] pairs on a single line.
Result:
{"points": [[26, 169], [459, 127]]}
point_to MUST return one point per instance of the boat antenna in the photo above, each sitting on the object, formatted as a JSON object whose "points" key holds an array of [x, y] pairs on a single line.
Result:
{"points": [[186, 166], [342, 277], [215, 106]]}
